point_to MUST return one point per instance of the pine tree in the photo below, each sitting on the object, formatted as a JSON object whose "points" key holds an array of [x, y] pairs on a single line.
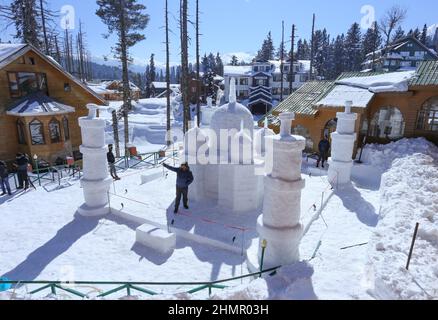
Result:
{"points": [[219, 66], [205, 63], [124, 18], [321, 48], [399, 34], [423, 37], [303, 50], [415, 33], [353, 48], [267, 52], [234, 61], [371, 42], [24, 14], [339, 53], [281, 49]]}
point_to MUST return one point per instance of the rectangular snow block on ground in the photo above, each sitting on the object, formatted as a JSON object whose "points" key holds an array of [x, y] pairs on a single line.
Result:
{"points": [[155, 238], [146, 178]]}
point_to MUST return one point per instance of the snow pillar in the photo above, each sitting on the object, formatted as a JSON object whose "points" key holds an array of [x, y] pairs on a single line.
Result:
{"points": [[280, 224], [341, 162], [95, 180]]}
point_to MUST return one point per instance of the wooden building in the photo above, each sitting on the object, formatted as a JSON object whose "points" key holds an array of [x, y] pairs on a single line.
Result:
{"points": [[40, 104], [384, 115]]}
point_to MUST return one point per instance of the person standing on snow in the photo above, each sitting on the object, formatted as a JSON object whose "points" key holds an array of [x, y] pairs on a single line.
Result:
{"points": [[184, 178], [324, 148], [22, 164], [4, 179], [112, 162]]}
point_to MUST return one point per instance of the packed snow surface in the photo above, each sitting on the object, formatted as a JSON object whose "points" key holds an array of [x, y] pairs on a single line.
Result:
{"points": [[409, 195], [387, 82]]}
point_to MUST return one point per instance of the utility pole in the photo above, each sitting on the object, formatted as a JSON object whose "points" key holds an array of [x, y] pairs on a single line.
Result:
{"points": [[292, 56], [312, 49], [281, 61]]}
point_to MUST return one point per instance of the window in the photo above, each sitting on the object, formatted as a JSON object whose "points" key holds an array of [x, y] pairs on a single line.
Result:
{"points": [[277, 77], [387, 123], [55, 131], [36, 129], [256, 69], [243, 94], [428, 116], [286, 69], [32, 61], [67, 87], [243, 81], [21, 133], [24, 83], [66, 129]]}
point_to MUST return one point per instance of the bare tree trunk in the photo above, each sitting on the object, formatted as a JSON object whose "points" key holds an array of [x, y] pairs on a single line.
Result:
{"points": [[198, 79], [168, 138], [116, 133], [185, 64], [43, 21], [125, 76], [58, 52]]}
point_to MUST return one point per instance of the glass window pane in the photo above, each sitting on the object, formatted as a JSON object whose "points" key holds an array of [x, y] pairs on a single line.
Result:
{"points": [[37, 132], [54, 131], [388, 123], [66, 129]]}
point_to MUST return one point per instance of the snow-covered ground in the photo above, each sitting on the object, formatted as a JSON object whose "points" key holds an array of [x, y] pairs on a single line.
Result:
{"points": [[355, 244]]}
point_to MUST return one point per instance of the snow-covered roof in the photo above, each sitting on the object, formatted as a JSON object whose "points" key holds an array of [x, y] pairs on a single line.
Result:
{"points": [[237, 70], [386, 82], [8, 50], [38, 104], [163, 85], [341, 93]]}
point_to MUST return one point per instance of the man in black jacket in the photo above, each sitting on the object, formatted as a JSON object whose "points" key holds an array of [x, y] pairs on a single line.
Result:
{"points": [[324, 148], [4, 179], [22, 163], [184, 178], [112, 162]]}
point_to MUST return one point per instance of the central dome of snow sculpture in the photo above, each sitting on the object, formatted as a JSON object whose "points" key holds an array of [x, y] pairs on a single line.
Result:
{"points": [[230, 116]]}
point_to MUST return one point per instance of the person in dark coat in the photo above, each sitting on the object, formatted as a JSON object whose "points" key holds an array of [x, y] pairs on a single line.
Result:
{"points": [[4, 179], [112, 162], [22, 163], [184, 178], [324, 149]]}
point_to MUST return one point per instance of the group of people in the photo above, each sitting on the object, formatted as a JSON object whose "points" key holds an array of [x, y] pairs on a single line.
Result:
{"points": [[21, 166]]}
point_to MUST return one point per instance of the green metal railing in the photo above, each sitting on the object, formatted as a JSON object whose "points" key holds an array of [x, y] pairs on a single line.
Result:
{"points": [[150, 158], [132, 286]]}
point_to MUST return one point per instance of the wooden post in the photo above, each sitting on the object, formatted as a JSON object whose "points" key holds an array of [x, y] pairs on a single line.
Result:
{"points": [[412, 245]]}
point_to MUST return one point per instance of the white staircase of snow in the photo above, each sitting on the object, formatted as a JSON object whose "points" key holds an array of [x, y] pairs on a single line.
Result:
{"points": [[189, 224], [155, 238]]}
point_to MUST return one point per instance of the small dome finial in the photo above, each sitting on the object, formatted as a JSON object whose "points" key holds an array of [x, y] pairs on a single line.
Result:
{"points": [[233, 96]]}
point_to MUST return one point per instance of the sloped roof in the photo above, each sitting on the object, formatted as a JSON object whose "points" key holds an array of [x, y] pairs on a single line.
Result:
{"points": [[303, 100], [38, 104], [11, 52], [427, 74], [8, 50], [341, 93]]}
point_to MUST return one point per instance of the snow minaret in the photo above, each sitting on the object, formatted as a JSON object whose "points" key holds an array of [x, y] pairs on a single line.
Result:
{"points": [[343, 140], [95, 181], [280, 224]]}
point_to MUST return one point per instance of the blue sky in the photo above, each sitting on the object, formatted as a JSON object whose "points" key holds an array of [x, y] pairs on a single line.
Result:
{"points": [[239, 26]]}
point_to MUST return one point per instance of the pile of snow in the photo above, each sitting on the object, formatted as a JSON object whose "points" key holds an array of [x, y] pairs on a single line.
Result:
{"points": [[292, 282], [382, 156], [408, 195], [387, 82]]}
